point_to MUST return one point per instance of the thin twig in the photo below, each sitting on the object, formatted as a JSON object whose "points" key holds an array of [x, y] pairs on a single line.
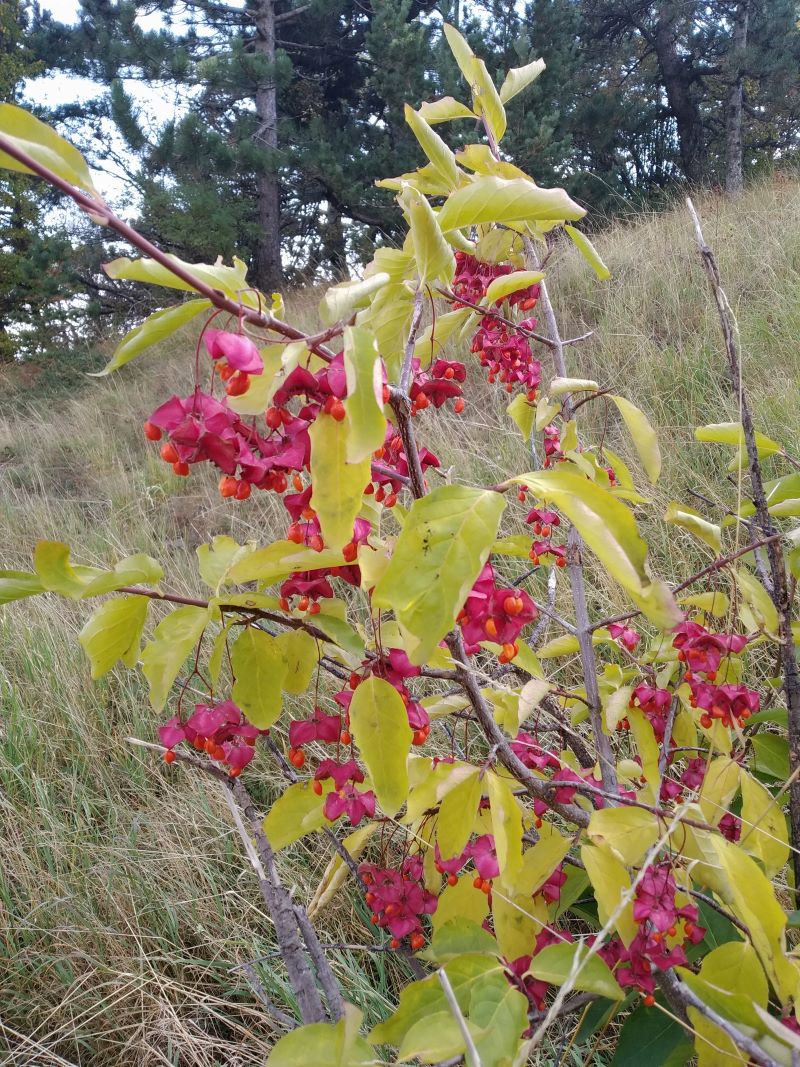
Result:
{"points": [[450, 997]]}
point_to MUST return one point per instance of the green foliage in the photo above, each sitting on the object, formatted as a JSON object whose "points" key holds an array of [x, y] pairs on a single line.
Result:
{"points": [[380, 727]]}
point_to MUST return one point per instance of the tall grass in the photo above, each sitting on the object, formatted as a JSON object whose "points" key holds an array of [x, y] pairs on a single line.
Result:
{"points": [[126, 906]]}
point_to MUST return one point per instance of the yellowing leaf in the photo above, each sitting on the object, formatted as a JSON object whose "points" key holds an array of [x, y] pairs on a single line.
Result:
{"points": [[338, 485], [731, 433], [589, 252], [610, 880], [432, 339], [340, 301], [556, 963], [444, 543], [434, 148], [506, 825], [707, 532], [460, 901], [231, 280], [337, 871], [364, 404], [259, 667], [560, 386], [715, 603], [44, 146], [113, 632], [164, 655], [329, 1044], [296, 812], [433, 255], [491, 199], [628, 832], [155, 328], [752, 899], [485, 97], [733, 967], [719, 787], [643, 436], [523, 413], [16, 585], [379, 725], [507, 284], [278, 560], [519, 78], [610, 531], [445, 109], [763, 826], [216, 558], [758, 600], [457, 813], [518, 919], [301, 656]]}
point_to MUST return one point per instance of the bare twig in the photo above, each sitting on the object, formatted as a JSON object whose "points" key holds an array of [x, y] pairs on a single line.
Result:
{"points": [[450, 997]]}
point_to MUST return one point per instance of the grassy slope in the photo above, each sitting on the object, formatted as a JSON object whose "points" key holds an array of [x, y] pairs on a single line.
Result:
{"points": [[124, 899]]}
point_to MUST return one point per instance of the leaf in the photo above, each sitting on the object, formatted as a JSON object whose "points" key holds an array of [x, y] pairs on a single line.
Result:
{"points": [[432, 339], [771, 755], [719, 787], [337, 872], [338, 485], [610, 880], [499, 1015], [155, 328], [555, 965], [643, 436], [340, 301], [379, 725], [491, 199], [259, 669], [506, 825], [433, 255], [507, 284], [460, 901], [340, 632], [298, 651], [366, 422], [707, 532], [519, 78], [652, 1036], [216, 558], [296, 812], [16, 585], [278, 560], [444, 543], [589, 252], [325, 1044], [432, 1039], [763, 826], [758, 600], [733, 967], [610, 531], [628, 832], [164, 655], [113, 632], [45, 147], [715, 603], [457, 813], [732, 433], [444, 109], [752, 899], [457, 937], [434, 148], [232, 281], [485, 98], [523, 413], [560, 386]]}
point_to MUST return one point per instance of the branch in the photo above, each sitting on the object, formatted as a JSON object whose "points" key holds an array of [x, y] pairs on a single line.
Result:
{"points": [[781, 593]]}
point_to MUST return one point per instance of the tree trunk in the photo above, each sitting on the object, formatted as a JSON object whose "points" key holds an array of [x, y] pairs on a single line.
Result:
{"points": [[267, 268], [734, 172], [677, 84], [333, 243]]}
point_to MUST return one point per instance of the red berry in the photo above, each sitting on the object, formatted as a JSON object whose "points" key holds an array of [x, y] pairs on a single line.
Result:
{"points": [[390, 500], [561, 562], [151, 432], [350, 551], [317, 787], [228, 485], [452, 879], [238, 384], [421, 402], [394, 943], [243, 490], [649, 1000], [486, 886], [298, 758], [345, 738], [705, 721], [273, 418], [283, 604], [419, 737], [338, 410], [180, 468], [490, 626], [316, 543], [234, 772], [477, 882], [169, 452], [302, 603], [169, 757], [417, 941], [373, 919], [314, 609], [459, 405]]}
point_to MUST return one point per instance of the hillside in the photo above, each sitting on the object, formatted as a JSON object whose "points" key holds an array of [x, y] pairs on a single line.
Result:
{"points": [[125, 907]]}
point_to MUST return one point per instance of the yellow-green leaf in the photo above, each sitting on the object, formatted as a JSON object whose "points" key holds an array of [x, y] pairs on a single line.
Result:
{"points": [[296, 812], [379, 725], [507, 284], [609, 530], [643, 435], [433, 338], [491, 199], [337, 871], [113, 632], [325, 1044], [44, 146], [460, 901], [301, 656], [164, 655], [230, 280], [610, 880], [523, 413], [444, 543], [485, 97], [16, 585], [707, 532], [366, 422], [519, 78], [278, 560], [765, 614], [733, 967], [215, 559], [628, 832], [719, 787], [457, 813], [338, 485], [560, 386], [589, 252], [259, 667], [155, 328], [732, 433], [433, 255], [763, 826], [506, 825], [556, 963], [340, 301], [434, 148], [445, 109]]}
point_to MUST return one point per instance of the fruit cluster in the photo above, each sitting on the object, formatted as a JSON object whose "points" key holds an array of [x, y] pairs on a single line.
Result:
{"points": [[496, 614], [220, 730]]}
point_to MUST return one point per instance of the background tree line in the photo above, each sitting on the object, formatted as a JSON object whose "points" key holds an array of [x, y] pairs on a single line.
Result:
{"points": [[286, 107]]}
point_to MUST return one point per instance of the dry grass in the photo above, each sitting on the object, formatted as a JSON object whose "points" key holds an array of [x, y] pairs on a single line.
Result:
{"points": [[125, 904]]}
